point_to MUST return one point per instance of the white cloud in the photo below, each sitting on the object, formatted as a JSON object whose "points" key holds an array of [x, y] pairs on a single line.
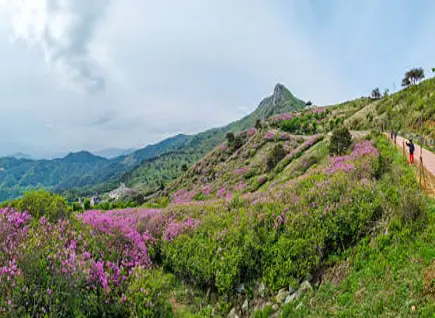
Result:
{"points": [[63, 31]]}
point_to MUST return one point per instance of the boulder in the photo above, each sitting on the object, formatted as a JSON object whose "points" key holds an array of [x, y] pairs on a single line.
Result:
{"points": [[262, 290], [233, 314], [282, 295], [245, 306], [241, 288]]}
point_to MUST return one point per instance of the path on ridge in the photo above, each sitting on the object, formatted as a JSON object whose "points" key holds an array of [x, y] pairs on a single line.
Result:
{"points": [[428, 160]]}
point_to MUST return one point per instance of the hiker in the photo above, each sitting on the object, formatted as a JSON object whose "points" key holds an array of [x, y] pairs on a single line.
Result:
{"points": [[411, 147], [395, 137], [392, 134]]}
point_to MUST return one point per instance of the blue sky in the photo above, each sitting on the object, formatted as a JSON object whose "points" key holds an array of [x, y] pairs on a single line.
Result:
{"points": [[81, 74]]}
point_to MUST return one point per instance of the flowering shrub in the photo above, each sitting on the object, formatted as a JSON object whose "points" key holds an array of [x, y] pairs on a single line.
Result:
{"points": [[261, 236], [252, 132], [182, 196], [270, 135], [347, 163], [82, 266], [280, 117], [175, 229]]}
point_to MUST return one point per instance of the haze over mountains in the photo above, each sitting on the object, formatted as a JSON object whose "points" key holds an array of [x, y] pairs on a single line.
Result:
{"points": [[86, 170]]}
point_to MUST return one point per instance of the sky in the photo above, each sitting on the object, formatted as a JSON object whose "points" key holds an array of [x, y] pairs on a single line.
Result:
{"points": [[88, 75]]}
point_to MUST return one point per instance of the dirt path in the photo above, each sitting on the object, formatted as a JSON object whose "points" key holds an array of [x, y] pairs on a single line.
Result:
{"points": [[428, 162]]}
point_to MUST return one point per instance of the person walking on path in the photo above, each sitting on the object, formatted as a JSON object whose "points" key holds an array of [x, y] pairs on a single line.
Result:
{"points": [[395, 137], [411, 147]]}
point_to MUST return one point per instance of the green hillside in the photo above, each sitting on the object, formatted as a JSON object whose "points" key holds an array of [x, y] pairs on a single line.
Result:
{"points": [[149, 176], [410, 111], [271, 222], [85, 174]]}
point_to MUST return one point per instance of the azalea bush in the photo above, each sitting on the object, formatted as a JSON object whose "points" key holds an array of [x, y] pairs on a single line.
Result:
{"points": [[122, 263], [99, 264], [284, 235]]}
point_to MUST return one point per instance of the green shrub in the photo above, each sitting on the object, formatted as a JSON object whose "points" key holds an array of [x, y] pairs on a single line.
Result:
{"points": [[148, 293], [340, 141], [87, 204], [42, 203], [275, 156]]}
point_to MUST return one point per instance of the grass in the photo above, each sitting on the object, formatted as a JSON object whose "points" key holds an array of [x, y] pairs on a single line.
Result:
{"points": [[392, 275]]}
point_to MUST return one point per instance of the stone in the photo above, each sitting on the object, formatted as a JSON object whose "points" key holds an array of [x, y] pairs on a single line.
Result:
{"points": [[262, 290], [245, 306], [282, 295], [305, 287], [291, 290], [275, 307], [299, 306], [233, 314], [291, 298], [241, 288]]}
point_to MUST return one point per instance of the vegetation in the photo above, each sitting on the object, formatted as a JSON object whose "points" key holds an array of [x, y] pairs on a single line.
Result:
{"points": [[275, 156], [83, 174], [340, 141], [376, 93], [283, 219], [127, 261], [413, 76]]}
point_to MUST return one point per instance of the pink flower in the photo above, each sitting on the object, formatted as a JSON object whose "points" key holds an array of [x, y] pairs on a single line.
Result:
{"points": [[43, 221]]}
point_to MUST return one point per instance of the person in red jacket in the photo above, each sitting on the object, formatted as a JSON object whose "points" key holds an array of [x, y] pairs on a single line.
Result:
{"points": [[411, 147]]}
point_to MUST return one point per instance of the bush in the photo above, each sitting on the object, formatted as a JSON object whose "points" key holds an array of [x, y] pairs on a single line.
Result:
{"points": [[275, 156], [340, 141], [148, 294], [230, 137], [86, 204], [42, 203]]}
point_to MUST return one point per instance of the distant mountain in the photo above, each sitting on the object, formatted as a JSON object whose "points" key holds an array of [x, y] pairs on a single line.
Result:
{"points": [[151, 174], [20, 155], [111, 153], [86, 173]]}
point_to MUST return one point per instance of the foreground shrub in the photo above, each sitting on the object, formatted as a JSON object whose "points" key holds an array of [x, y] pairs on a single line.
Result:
{"points": [[148, 294], [42, 203], [340, 141], [275, 156]]}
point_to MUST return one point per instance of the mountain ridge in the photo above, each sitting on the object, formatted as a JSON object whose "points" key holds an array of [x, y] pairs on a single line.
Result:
{"points": [[64, 174]]}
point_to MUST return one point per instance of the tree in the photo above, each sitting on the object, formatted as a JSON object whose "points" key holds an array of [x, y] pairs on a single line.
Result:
{"points": [[238, 142], [184, 167], [413, 76], [386, 92], [275, 156], [86, 204], [230, 137], [376, 93], [42, 203], [258, 125], [340, 141], [309, 103]]}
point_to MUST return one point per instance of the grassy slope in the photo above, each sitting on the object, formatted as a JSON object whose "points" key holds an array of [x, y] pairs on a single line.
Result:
{"points": [[388, 274], [383, 275], [403, 111]]}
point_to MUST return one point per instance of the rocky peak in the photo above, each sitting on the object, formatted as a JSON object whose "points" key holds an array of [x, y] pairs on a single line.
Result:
{"points": [[278, 94]]}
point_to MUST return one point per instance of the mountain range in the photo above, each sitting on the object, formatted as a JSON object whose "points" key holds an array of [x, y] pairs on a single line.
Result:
{"points": [[84, 173]]}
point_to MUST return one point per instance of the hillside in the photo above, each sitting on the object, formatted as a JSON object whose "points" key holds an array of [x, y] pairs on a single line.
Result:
{"points": [[266, 224], [161, 167], [97, 174], [262, 252], [410, 111]]}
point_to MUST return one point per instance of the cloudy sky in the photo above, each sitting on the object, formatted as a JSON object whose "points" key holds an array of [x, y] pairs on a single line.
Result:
{"points": [[81, 74]]}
